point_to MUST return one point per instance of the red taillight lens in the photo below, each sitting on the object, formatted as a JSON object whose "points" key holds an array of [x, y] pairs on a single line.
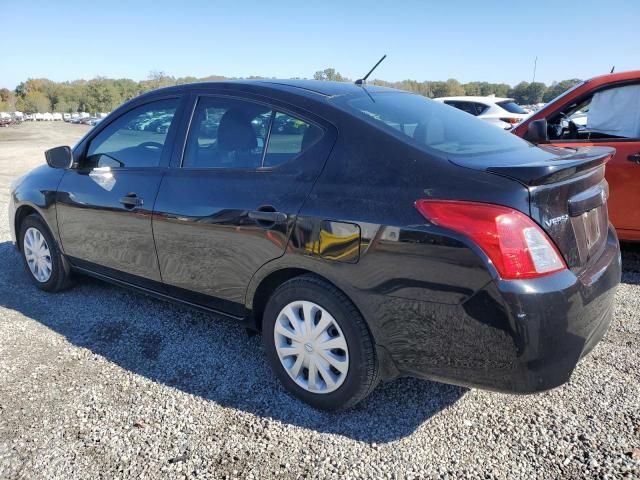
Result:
{"points": [[511, 120], [514, 243]]}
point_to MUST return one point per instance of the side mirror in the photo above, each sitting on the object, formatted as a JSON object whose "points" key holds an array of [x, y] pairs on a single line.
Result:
{"points": [[537, 132], [59, 157]]}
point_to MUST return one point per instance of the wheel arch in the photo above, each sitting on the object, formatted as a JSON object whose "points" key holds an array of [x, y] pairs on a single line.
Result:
{"points": [[22, 212], [274, 274]]}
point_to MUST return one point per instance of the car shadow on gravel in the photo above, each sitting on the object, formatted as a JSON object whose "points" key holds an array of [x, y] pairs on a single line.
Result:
{"points": [[207, 356]]}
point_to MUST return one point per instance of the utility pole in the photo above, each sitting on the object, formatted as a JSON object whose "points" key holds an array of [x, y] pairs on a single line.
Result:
{"points": [[535, 64]]}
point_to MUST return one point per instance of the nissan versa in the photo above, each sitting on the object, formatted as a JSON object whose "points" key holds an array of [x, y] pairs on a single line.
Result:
{"points": [[367, 233]]}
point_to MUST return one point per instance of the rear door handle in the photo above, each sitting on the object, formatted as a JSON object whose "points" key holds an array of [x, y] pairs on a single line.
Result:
{"points": [[131, 200], [635, 158], [268, 217]]}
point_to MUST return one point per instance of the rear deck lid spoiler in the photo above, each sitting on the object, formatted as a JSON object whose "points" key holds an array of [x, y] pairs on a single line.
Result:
{"points": [[541, 165]]}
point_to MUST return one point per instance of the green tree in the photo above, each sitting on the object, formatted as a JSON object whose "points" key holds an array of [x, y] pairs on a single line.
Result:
{"points": [[535, 92], [559, 88], [520, 93], [7, 100], [329, 74], [472, 88], [102, 95], [35, 101]]}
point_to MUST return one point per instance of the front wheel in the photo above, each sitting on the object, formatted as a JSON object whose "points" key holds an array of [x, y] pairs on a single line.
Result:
{"points": [[42, 258], [318, 344]]}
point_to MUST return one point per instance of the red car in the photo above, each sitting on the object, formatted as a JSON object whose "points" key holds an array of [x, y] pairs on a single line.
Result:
{"points": [[603, 111]]}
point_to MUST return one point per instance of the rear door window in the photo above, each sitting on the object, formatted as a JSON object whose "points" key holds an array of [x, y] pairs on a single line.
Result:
{"points": [[289, 137], [233, 133], [227, 133]]}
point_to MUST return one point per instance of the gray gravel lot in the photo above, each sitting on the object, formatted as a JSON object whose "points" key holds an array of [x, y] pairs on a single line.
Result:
{"points": [[97, 382]]}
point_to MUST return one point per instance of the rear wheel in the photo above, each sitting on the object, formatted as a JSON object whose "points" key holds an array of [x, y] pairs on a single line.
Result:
{"points": [[42, 258], [318, 344]]}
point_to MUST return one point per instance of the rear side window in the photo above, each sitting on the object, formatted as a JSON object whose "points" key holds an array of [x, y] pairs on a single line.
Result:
{"points": [[466, 107], [511, 107], [473, 108], [136, 139], [232, 133], [289, 137], [481, 108], [430, 125]]}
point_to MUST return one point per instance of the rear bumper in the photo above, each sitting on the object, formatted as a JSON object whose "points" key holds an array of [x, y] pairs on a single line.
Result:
{"points": [[514, 336]]}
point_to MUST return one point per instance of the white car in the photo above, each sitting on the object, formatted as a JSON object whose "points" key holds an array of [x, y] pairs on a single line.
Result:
{"points": [[501, 112]]}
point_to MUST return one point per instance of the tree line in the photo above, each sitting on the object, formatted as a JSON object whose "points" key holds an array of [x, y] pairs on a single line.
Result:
{"points": [[104, 94]]}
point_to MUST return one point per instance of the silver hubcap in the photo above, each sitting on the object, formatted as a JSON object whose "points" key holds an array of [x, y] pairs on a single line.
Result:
{"points": [[37, 253], [311, 347]]}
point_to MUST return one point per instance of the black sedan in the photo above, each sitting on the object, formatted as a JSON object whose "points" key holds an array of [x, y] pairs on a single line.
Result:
{"points": [[380, 234]]}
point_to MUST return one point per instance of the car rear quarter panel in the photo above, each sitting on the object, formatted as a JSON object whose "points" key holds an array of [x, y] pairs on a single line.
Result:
{"points": [[409, 273]]}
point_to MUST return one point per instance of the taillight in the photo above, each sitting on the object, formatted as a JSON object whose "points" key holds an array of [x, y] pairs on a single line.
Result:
{"points": [[511, 120], [515, 244]]}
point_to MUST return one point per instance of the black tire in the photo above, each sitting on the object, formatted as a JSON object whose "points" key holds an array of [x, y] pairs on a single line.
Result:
{"points": [[60, 274], [363, 373]]}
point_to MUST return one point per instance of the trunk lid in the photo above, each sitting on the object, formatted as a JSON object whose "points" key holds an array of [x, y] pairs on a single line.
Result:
{"points": [[567, 191]]}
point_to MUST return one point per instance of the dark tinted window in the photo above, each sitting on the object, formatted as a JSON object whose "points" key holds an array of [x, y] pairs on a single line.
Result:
{"points": [[473, 108], [231, 133], [289, 136], [468, 107], [430, 124], [511, 107], [481, 108], [136, 139], [227, 133]]}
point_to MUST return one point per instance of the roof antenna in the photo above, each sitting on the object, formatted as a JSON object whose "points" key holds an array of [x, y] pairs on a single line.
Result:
{"points": [[362, 81], [612, 69]]}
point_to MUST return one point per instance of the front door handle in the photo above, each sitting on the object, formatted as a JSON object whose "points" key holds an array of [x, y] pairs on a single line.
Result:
{"points": [[267, 216], [131, 200], [635, 158]]}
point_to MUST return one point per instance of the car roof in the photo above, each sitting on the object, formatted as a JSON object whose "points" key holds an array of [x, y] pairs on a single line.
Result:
{"points": [[614, 77], [470, 98], [301, 87]]}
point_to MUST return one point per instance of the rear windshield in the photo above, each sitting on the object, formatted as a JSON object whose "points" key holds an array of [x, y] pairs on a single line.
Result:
{"points": [[430, 125], [512, 107]]}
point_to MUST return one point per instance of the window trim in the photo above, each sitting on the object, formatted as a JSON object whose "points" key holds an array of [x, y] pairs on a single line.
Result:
{"points": [[196, 96]]}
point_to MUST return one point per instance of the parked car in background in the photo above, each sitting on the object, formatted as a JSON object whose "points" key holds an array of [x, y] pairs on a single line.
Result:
{"points": [[441, 247], [5, 119], [501, 112], [603, 111]]}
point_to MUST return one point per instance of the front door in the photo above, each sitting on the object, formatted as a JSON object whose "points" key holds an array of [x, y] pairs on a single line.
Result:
{"points": [[608, 117], [104, 205], [229, 205]]}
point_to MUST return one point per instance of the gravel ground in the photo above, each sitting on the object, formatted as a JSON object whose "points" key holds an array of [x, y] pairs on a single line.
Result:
{"points": [[100, 383]]}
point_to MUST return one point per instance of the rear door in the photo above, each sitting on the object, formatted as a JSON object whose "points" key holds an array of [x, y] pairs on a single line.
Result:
{"points": [[229, 203], [104, 205]]}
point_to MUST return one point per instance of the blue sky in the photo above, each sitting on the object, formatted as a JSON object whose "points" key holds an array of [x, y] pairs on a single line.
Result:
{"points": [[468, 40]]}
